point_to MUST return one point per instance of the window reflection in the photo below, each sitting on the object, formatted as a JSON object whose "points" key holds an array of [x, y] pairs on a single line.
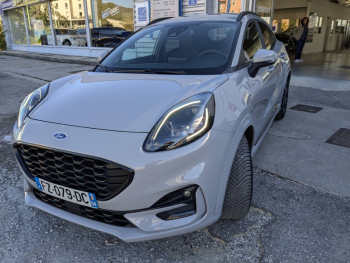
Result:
{"points": [[263, 9], [110, 21], [38, 22], [17, 24], [68, 18], [234, 6]]}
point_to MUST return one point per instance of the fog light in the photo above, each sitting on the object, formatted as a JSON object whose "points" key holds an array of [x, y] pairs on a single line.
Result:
{"points": [[177, 213], [186, 196]]}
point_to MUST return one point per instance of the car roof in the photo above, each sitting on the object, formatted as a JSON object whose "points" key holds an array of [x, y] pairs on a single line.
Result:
{"points": [[109, 27], [215, 17], [229, 17]]}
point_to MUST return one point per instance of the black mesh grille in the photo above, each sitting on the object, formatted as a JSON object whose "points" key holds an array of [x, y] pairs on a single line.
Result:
{"points": [[101, 178], [100, 215]]}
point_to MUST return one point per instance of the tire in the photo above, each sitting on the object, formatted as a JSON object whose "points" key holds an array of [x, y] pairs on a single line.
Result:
{"points": [[67, 43], [239, 189], [284, 103]]}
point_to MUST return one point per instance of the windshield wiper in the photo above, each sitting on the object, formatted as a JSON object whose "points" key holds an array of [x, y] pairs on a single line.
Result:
{"points": [[105, 68], [169, 72], [150, 71], [142, 71]]}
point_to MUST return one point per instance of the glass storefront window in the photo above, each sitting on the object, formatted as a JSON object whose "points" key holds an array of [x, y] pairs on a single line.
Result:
{"points": [[338, 26], [320, 25], [263, 9], [343, 27], [17, 24], [110, 21], [289, 25], [68, 18], [38, 23]]}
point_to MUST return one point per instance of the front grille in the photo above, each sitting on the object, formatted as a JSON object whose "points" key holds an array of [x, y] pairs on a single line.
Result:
{"points": [[84, 173], [100, 215]]}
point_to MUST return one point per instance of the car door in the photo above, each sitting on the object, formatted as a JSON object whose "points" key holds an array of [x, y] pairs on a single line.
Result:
{"points": [[264, 84], [272, 44]]}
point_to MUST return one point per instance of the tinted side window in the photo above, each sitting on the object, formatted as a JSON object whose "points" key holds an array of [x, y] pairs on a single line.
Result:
{"points": [[105, 31], [267, 35], [117, 32], [252, 42]]}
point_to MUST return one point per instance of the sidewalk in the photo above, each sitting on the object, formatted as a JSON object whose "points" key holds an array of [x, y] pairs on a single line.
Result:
{"points": [[296, 148], [51, 57], [327, 70]]}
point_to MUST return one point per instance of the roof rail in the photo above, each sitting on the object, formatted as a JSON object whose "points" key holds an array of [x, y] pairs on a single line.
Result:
{"points": [[242, 14], [158, 20]]}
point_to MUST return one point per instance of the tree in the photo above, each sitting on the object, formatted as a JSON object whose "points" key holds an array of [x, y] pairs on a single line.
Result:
{"points": [[2, 38]]}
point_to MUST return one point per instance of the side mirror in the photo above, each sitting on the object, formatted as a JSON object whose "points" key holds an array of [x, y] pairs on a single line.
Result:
{"points": [[102, 55], [262, 58]]}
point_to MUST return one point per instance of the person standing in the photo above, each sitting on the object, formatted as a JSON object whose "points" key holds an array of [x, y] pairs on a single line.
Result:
{"points": [[300, 35]]}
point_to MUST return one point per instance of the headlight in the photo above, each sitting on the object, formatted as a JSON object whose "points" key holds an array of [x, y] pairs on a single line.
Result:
{"points": [[182, 124], [30, 102]]}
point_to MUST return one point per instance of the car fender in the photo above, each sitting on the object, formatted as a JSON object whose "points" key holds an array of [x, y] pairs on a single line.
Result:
{"points": [[246, 122], [54, 86]]}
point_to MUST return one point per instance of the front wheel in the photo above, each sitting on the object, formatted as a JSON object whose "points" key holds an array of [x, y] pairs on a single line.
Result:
{"points": [[280, 115], [239, 189], [67, 43]]}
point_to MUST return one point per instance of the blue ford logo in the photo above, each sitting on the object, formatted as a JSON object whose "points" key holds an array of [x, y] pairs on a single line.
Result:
{"points": [[60, 135]]}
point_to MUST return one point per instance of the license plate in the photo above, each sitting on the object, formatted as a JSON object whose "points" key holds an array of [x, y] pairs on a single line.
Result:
{"points": [[286, 45], [68, 194]]}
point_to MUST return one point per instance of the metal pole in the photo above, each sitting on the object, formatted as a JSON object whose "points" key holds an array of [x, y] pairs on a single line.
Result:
{"points": [[243, 4], [180, 7], [51, 25], [272, 12], [228, 6], [149, 10], [26, 26], [87, 26]]}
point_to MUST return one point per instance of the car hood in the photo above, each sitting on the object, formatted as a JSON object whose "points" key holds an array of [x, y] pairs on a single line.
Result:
{"points": [[119, 102]]}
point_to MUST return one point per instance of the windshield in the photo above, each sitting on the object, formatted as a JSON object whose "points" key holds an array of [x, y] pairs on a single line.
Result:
{"points": [[185, 48]]}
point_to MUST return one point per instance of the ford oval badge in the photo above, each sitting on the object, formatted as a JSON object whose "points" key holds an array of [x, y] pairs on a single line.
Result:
{"points": [[60, 135]]}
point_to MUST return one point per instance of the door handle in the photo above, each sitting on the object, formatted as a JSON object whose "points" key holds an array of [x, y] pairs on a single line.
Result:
{"points": [[271, 68], [283, 55]]}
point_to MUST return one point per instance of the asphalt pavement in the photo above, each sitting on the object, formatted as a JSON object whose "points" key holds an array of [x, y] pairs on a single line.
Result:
{"points": [[290, 220]]}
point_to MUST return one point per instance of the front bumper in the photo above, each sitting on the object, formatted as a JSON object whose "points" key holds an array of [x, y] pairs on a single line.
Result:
{"points": [[148, 226], [156, 174]]}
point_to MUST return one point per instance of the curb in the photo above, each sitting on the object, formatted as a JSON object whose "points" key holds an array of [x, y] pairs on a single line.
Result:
{"points": [[50, 57]]}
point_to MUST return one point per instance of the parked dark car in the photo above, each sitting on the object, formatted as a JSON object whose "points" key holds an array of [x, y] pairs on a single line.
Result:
{"points": [[287, 39], [108, 36]]}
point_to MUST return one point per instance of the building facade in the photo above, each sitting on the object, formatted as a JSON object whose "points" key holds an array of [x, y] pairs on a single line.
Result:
{"points": [[85, 27]]}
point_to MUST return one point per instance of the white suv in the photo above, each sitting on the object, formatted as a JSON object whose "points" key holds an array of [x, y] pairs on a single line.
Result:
{"points": [[69, 37], [157, 139]]}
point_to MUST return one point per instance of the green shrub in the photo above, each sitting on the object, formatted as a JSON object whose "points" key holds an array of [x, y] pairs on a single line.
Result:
{"points": [[2, 38]]}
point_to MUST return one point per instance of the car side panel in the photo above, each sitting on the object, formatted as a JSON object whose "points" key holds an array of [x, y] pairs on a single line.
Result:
{"points": [[234, 108], [284, 60], [233, 101]]}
